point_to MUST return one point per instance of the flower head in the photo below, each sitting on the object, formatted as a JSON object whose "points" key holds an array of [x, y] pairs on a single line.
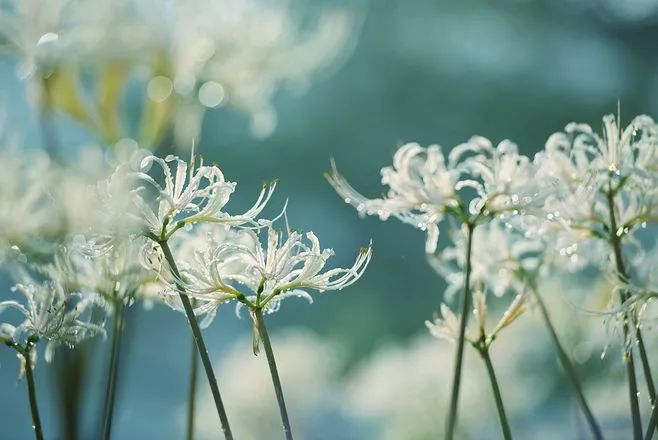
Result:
{"points": [[501, 258], [51, 314], [585, 177], [190, 195], [116, 276], [477, 181], [237, 266], [446, 326]]}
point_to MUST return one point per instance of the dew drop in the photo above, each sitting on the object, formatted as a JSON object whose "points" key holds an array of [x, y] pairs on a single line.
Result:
{"points": [[48, 38]]}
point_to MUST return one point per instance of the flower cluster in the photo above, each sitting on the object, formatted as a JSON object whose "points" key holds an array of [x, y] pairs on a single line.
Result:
{"points": [[477, 181], [598, 186], [501, 260], [212, 53], [560, 209], [50, 313], [230, 265]]}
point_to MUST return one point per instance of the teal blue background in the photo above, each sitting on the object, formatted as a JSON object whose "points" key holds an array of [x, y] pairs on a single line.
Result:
{"points": [[425, 71]]}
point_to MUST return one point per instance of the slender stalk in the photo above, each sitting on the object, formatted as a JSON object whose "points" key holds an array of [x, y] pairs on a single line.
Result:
{"points": [[568, 367], [191, 400], [651, 429], [46, 122], [648, 377], [262, 331], [628, 351], [200, 344], [110, 391], [504, 424], [71, 373], [32, 392], [466, 311]]}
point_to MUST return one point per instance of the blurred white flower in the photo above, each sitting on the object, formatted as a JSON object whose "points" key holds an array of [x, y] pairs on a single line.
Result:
{"points": [[117, 275], [446, 326], [501, 258], [191, 55], [27, 213], [51, 314], [44, 203], [240, 52]]}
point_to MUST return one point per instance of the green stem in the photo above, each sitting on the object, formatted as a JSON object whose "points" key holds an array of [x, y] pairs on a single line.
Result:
{"points": [[262, 331], [466, 311], [648, 377], [653, 421], [191, 400], [200, 344], [46, 120], [628, 351], [32, 392], [110, 391], [504, 424], [568, 367]]}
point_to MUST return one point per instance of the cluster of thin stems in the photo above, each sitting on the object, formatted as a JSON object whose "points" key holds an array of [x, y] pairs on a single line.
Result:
{"points": [[207, 365], [199, 351], [632, 337]]}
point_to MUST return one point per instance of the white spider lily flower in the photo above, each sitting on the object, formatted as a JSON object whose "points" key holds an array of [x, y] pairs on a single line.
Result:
{"points": [[208, 271], [502, 178], [582, 173], [50, 314], [293, 266], [500, 259], [621, 151], [244, 51], [270, 273], [117, 276], [579, 160], [189, 198], [445, 326], [27, 213], [196, 54], [423, 186], [511, 314]]}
